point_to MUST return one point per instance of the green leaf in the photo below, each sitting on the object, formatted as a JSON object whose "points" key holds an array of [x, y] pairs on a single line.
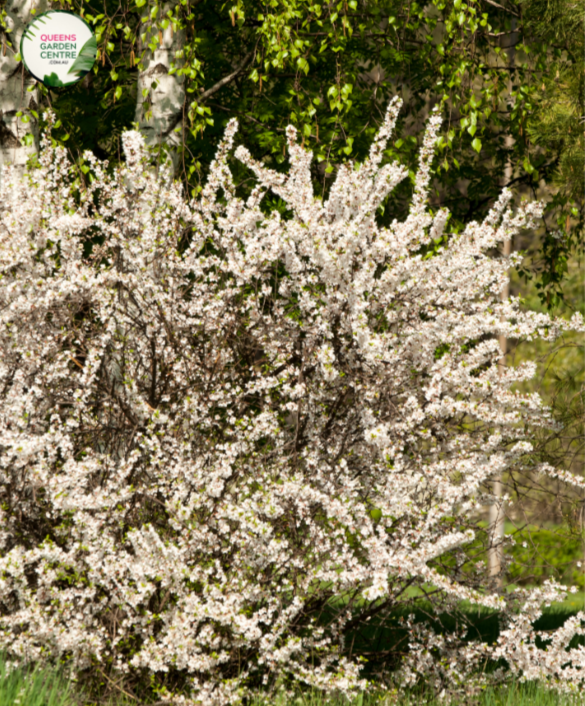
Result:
{"points": [[476, 144], [376, 514], [52, 80], [86, 58], [527, 166]]}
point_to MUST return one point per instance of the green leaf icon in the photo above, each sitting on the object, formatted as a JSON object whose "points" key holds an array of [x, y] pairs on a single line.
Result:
{"points": [[86, 58], [52, 80]]}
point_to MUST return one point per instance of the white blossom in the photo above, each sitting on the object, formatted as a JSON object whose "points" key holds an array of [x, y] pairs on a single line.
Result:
{"points": [[201, 403]]}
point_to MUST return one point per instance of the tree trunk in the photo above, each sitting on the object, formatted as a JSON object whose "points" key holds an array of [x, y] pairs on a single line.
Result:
{"points": [[497, 516], [14, 94], [160, 112]]}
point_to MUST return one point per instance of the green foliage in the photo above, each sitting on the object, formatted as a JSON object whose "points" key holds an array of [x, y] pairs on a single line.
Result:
{"points": [[330, 69], [560, 380], [556, 124], [557, 120], [86, 57], [542, 553], [52, 80], [533, 554]]}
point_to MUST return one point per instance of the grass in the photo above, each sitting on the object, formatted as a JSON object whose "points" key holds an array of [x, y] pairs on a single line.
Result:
{"points": [[529, 694], [41, 687], [46, 687], [575, 602], [34, 687]]}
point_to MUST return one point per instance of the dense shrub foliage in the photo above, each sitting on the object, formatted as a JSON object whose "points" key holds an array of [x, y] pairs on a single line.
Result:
{"points": [[227, 436]]}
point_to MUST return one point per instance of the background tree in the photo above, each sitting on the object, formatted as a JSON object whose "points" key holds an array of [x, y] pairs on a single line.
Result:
{"points": [[160, 94], [556, 125], [329, 68], [19, 95]]}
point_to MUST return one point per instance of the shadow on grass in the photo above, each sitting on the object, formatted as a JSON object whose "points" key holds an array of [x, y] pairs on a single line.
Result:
{"points": [[383, 642]]}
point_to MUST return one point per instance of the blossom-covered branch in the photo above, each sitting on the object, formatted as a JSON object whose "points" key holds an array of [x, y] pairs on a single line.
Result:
{"points": [[225, 433]]}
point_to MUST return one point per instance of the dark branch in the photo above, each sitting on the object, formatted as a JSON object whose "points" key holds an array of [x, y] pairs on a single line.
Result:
{"points": [[501, 7], [226, 79]]}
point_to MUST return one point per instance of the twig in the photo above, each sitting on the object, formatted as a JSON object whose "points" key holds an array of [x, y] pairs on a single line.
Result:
{"points": [[113, 683], [226, 79], [501, 7]]}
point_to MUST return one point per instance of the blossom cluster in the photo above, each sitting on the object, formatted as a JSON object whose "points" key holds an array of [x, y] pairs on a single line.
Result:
{"points": [[228, 435]]}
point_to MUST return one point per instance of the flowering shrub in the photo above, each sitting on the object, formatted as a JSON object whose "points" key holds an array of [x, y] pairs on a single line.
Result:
{"points": [[227, 436]]}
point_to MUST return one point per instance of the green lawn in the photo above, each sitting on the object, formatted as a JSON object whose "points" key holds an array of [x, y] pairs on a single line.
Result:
{"points": [[40, 687], [45, 689], [517, 695]]}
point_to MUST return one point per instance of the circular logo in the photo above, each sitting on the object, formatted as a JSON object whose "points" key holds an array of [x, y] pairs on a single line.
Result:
{"points": [[58, 48]]}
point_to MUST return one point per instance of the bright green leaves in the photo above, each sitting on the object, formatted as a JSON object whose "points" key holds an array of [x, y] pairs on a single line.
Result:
{"points": [[376, 514], [86, 57], [347, 150], [330, 69], [303, 64], [528, 166], [339, 97], [52, 80]]}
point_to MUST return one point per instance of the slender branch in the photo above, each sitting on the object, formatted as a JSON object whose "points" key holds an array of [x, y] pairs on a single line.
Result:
{"points": [[228, 78], [501, 7]]}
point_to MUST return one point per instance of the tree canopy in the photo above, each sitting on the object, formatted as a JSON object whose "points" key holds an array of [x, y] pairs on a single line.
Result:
{"points": [[329, 68]]}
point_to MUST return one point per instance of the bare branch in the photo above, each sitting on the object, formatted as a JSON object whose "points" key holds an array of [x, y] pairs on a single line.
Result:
{"points": [[226, 79], [501, 7]]}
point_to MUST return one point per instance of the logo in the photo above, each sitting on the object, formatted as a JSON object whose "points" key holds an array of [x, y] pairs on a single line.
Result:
{"points": [[58, 48]]}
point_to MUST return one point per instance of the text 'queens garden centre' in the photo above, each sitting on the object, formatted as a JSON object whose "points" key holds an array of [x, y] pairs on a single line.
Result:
{"points": [[58, 46]]}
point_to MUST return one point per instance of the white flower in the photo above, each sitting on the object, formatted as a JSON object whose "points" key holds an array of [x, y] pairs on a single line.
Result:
{"points": [[222, 420]]}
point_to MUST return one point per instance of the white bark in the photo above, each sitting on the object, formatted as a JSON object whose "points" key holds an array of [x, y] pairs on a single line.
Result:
{"points": [[497, 515], [14, 94], [167, 92]]}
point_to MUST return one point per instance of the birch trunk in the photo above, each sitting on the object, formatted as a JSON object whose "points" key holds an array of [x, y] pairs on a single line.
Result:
{"points": [[14, 94], [497, 515], [160, 112]]}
